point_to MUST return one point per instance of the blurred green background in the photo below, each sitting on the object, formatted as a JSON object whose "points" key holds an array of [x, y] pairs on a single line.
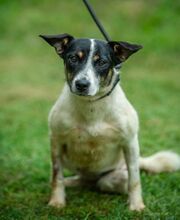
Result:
{"points": [[31, 78]]}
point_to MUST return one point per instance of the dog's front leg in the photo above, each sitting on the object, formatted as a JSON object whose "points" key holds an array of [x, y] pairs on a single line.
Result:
{"points": [[58, 192], [131, 151]]}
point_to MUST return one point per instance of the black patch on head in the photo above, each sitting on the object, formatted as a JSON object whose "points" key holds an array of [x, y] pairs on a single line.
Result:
{"points": [[104, 65], [74, 64]]}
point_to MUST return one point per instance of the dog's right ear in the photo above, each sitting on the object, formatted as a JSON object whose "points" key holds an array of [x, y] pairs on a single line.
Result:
{"points": [[59, 42]]}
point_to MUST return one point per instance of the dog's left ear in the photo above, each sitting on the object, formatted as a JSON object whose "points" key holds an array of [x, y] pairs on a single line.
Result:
{"points": [[123, 50], [59, 42]]}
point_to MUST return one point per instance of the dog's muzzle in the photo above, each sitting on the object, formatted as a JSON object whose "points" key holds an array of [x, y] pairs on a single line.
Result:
{"points": [[82, 86]]}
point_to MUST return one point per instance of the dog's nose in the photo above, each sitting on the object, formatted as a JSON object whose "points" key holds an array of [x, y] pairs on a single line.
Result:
{"points": [[82, 85]]}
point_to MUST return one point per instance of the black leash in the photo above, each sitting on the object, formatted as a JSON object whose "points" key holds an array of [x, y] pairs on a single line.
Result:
{"points": [[96, 20]]}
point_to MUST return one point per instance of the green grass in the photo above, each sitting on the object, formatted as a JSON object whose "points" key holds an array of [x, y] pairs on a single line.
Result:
{"points": [[31, 77]]}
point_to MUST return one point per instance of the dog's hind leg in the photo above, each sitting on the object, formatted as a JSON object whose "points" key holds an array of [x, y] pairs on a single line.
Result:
{"points": [[114, 182], [72, 181]]}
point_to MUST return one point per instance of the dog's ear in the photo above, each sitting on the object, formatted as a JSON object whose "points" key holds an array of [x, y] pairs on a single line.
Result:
{"points": [[60, 42], [123, 50]]}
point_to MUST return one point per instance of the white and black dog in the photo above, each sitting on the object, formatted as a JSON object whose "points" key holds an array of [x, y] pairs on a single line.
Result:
{"points": [[93, 127]]}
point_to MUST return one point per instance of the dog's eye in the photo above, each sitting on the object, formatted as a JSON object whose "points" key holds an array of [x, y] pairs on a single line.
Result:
{"points": [[102, 62], [73, 59]]}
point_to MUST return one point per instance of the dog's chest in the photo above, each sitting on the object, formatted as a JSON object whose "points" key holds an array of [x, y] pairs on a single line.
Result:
{"points": [[92, 147]]}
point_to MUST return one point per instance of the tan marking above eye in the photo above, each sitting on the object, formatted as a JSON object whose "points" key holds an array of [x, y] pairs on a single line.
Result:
{"points": [[96, 57], [80, 54]]}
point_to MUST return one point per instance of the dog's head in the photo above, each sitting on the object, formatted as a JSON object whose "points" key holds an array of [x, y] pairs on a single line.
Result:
{"points": [[91, 65]]}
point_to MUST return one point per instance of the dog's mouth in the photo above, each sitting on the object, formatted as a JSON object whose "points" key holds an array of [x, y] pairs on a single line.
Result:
{"points": [[82, 93]]}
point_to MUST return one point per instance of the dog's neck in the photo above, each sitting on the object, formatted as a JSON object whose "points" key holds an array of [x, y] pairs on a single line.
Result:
{"points": [[91, 110]]}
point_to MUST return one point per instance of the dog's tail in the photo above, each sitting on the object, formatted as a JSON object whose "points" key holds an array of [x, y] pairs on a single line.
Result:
{"points": [[163, 161]]}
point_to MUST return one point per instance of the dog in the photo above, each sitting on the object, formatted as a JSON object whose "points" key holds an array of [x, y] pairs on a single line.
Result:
{"points": [[93, 127]]}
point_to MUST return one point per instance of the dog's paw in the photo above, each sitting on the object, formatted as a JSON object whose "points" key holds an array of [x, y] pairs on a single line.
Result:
{"points": [[137, 207], [57, 203]]}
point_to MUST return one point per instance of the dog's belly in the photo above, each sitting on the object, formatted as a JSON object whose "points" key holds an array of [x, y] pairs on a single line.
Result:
{"points": [[94, 149]]}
